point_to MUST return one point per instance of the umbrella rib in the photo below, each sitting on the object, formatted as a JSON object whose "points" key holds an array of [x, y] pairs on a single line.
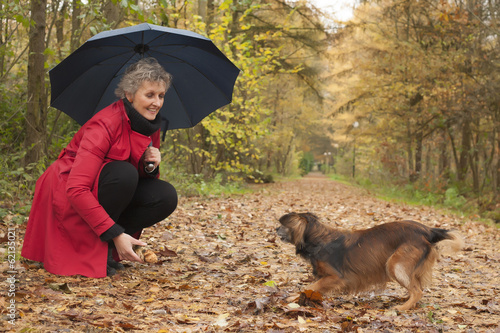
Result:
{"points": [[115, 74], [183, 106], [187, 63], [99, 63], [170, 55]]}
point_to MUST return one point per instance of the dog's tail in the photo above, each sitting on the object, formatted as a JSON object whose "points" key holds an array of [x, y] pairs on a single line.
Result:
{"points": [[447, 242]]}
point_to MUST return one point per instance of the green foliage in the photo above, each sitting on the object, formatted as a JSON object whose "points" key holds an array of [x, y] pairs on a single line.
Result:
{"points": [[18, 217], [17, 182], [306, 163], [259, 177], [412, 194], [454, 199], [189, 185]]}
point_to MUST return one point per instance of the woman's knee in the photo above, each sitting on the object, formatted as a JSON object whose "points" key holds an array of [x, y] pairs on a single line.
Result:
{"points": [[168, 199], [119, 176]]}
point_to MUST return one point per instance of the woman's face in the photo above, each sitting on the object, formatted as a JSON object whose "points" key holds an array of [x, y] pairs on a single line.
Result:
{"points": [[148, 99]]}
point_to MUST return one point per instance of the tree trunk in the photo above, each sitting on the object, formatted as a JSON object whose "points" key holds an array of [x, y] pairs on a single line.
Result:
{"points": [[195, 143], [211, 11], [60, 24], [429, 169], [202, 10], [76, 22], [409, 149], [497, 172], [36, 115], [113, 13], [474, 162], [419, 138], [444, 164], [3, 43], [463, 162]]}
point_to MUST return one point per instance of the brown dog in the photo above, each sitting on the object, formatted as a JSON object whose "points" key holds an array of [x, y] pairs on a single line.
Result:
{"points": [[355, 261]]}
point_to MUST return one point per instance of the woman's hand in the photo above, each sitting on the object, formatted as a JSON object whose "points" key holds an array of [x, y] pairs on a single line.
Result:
{"points": [[124, 243], [152, 155]]}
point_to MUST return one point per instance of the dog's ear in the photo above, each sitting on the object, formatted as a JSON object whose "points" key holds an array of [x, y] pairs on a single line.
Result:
{"points": [[296, 224], [310, 217]]}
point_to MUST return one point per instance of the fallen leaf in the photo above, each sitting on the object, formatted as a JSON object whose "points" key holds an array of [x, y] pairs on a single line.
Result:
{"points": [[221, 320], [167, 253], [60, 287], [183, 319], [270, 284], [310, 296]]}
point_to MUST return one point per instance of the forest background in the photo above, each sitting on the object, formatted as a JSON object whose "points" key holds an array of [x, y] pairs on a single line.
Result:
{"points": [[403, 96]]}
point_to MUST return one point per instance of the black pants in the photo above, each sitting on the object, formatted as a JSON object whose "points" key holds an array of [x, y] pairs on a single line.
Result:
{"points": [[132, 202]]}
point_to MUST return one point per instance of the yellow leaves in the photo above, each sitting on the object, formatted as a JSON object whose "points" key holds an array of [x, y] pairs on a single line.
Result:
{"points": [[222, 320], [132, 285], [271, 284], [185, 319], [444, 17], [225, 5]]}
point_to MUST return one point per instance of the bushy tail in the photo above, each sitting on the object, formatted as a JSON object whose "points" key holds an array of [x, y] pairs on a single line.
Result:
{"points": [[447, 242]]}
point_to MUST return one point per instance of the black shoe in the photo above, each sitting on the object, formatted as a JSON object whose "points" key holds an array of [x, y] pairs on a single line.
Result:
{"points": [[110, 271], [112, 263]]}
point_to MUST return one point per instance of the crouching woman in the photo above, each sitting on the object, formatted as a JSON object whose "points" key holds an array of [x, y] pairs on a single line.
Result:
{"points": [[104, 188]]}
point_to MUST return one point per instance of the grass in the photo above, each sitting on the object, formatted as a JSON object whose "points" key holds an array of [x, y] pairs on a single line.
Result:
{"points": [[450, 200], [190, 185]]}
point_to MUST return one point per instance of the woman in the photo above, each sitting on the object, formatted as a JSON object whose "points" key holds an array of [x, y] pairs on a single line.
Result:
{"points": [[104, 188]]}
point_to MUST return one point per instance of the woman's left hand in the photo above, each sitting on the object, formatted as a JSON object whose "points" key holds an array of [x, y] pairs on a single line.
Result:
{"points": [[152, 155], [124, 247]]}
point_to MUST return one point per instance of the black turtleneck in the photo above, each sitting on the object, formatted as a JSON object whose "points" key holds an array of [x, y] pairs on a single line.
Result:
{"points": [[140, 124]]}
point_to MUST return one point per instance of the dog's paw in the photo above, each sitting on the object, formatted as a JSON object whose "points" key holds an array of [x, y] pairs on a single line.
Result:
{"points": [[310, 296], [305, 297]]}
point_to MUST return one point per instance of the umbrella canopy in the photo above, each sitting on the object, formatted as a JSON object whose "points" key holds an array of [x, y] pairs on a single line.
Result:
{"points": [[203, 77]]}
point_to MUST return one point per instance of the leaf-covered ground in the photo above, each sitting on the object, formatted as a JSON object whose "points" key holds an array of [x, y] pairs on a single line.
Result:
{"points": [[222, 269]]}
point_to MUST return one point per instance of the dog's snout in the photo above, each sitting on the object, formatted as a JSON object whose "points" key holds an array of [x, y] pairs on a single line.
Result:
{"points": [[282, 233]]}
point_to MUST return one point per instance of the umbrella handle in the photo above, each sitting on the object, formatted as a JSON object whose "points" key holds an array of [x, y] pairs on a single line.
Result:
{"points": [[150, 167]]}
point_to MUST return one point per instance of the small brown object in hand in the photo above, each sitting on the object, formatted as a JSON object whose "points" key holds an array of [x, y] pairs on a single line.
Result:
{"points": [[146, 255]]}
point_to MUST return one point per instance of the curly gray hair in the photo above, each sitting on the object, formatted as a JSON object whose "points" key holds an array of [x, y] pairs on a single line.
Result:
{"points": [[146, 69]]}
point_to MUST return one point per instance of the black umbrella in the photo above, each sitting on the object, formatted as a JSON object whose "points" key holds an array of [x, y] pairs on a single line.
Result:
{"points": [[203, 78]]}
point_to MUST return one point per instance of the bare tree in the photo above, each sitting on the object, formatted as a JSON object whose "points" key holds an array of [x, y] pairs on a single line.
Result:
{"points": [[36, 115]]}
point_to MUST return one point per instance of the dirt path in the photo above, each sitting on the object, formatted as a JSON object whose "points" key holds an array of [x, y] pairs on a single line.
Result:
{"points": [[222, 269]]}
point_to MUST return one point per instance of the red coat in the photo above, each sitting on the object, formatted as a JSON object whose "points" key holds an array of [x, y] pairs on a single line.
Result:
{"points": [[66, 219]]}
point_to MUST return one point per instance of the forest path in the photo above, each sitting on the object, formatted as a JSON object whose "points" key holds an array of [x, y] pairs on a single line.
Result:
{"points": [[222, 268]]}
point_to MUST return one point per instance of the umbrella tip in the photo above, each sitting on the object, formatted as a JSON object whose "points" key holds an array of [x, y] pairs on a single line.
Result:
{"points": [[141, 48]]}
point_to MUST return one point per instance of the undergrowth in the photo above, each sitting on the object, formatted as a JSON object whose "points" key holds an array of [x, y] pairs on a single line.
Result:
{"points": [[450, 200], [190, 185]]}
